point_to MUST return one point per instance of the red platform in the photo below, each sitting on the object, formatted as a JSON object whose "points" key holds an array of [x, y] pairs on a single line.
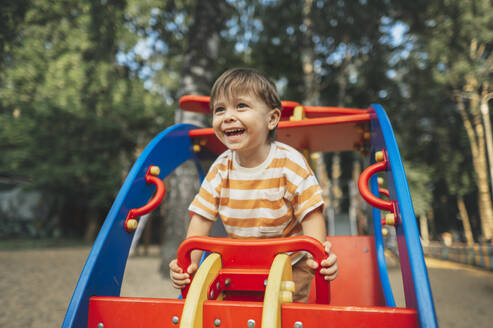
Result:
{"points": [[356, 301], [149, 313]]}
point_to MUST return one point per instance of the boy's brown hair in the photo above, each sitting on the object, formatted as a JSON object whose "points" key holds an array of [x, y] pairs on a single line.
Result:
{"points": [[247, 80]]}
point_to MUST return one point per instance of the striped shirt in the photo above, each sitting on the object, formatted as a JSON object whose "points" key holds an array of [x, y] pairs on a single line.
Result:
{"points": [[266, 201]]}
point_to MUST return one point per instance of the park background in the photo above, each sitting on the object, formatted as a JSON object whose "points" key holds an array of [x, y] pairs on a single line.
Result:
{"points": [[85, 85]]}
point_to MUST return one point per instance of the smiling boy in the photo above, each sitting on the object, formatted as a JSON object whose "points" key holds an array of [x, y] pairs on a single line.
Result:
{"points": [[260, 188]]}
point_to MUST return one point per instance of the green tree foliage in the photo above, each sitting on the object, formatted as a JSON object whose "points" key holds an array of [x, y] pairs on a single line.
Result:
{"points": [[452, 64], [73, 114], [85, 85], [11, 17]]}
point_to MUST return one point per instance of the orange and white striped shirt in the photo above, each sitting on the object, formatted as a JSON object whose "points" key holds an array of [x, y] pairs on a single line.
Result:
{"points": [[266, 201]]}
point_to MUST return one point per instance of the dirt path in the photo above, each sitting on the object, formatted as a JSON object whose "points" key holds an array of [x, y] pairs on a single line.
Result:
{"points": [[36, 287]]}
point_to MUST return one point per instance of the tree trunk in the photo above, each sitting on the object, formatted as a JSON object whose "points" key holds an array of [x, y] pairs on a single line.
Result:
{"points": [[196, 78], [475, 133], [336, 158], [485, 97], [464, 217], [431, 219], [423, 224]]}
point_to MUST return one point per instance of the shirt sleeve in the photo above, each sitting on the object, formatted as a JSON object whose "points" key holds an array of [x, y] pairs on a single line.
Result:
{"points": [[307, 196], [206, 202]]}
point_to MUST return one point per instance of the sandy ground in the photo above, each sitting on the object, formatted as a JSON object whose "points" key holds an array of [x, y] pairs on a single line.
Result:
{"points": [[36, 287]]}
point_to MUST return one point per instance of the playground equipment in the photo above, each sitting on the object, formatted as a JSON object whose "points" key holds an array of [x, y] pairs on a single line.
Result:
{"points": [[255, 289]]}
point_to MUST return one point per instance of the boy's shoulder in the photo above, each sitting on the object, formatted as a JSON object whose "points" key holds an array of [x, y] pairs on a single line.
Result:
{"points": [[288, 152], [223, 158]]}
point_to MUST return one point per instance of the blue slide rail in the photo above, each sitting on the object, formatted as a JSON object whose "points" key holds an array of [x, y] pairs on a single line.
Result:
{"points": [[417, 289], [103, 272], [380, 249]]}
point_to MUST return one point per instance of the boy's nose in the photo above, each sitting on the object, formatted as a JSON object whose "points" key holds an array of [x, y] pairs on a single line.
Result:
{"points": [[229, 116]]}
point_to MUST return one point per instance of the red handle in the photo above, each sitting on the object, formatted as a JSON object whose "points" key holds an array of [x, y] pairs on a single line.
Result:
{"points": [[256, 254], [384, 192], [154, 202], [365, 191]]}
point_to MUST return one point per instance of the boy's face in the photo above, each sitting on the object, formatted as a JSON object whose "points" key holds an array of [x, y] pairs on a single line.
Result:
{"points": [[242, 122]]}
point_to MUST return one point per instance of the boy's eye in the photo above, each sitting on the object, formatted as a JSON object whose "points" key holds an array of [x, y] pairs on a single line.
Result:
{"points": [[242, 105], [218, 110]]}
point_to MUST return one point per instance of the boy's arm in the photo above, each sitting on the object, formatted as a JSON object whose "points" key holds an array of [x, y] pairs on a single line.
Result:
{"points": [[199, 226], [313, 225]]}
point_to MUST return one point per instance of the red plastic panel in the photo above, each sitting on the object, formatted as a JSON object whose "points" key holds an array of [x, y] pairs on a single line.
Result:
{"points": [[316, 316], [338, 133], [325, 111], [235, 314], [128, 312], [239, 284], [124, 312], [239, 279], [357, 282], [232, 314]]}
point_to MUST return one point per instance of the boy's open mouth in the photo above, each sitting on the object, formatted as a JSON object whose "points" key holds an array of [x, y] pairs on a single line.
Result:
{"points": [[234, 132]]}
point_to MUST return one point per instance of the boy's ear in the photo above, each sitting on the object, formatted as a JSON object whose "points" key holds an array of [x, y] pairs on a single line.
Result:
{"points": [[274, 118]]}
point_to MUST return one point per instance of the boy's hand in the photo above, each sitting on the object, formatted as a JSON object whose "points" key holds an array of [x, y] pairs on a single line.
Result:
{"points": [[180, 279], [329, 265]]}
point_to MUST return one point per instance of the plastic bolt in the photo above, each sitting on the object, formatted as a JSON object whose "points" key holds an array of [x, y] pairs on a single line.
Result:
{"points": [[100, 325], [175, 319], [217, 322], [390, 219], [227, 282], [379, 156], [211, 295], [298, 324], [154, 170], [132, 224], [251, 323]]}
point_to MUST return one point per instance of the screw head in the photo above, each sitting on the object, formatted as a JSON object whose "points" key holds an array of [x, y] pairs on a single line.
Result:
{"points": [[100, 325], [251, 323], [175, 319], [298, 324], [217, 322], [227, 282]]}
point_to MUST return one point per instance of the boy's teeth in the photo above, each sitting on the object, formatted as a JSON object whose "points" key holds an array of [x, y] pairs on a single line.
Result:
{"points": [[230, 132]]}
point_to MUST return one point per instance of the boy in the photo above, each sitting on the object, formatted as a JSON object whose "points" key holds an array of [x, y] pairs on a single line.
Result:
{"points": [[259, 187]]}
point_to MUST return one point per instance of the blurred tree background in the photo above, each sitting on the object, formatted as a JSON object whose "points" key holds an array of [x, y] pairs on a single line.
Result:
{"points": [[85, 85]]}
